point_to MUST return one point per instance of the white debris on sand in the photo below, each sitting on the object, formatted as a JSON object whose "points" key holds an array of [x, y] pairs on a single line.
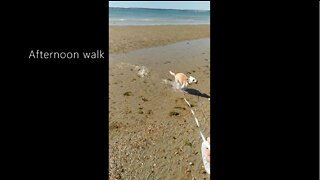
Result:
{"points": [[142, 70]]}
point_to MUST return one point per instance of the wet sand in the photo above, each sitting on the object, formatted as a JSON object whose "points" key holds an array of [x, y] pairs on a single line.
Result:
{"points": [[147, 138], [127, 38]]}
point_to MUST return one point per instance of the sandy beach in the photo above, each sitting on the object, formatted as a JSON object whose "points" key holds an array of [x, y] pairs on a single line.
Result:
{"points": [[127, 38], [152, 133]]}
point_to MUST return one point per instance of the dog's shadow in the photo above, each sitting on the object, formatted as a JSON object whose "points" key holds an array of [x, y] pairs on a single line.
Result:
{"points": [[195, 92]]}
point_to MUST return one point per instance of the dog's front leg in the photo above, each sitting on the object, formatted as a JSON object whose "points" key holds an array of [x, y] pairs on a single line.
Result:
{"points": [[182, 86]]}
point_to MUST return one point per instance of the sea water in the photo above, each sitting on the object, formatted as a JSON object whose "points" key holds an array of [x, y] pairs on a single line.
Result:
{"points": [[146, 16]]}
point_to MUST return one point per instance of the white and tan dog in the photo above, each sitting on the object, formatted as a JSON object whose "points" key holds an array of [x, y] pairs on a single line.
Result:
{"points": [[183, 80]]}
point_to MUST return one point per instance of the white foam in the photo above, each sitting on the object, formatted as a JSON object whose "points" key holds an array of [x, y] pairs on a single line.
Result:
{"points": [[173, 84]]}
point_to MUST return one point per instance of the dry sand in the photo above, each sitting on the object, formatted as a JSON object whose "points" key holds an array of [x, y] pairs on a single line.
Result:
{"points": [[145, 142]]}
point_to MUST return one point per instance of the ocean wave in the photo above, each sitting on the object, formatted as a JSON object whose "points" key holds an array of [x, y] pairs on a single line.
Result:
{"points": [[132, 20], [157, 9], [145, 16]]}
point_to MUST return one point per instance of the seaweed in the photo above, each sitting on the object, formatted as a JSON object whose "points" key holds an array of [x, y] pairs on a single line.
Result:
{"points": [[128, 93], [173, 113], [177, 107], [187, 143]]}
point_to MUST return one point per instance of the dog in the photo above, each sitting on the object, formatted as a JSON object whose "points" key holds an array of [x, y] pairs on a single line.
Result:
{"points": [[183, 80]]}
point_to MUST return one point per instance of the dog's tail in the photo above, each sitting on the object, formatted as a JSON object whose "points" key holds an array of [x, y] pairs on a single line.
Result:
{"points": [[173, 74]]}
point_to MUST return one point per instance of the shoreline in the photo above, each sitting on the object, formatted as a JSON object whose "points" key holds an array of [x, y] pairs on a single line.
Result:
{"points": [[123, 39]]}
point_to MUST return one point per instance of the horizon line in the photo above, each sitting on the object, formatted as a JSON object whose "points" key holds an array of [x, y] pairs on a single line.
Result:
{"points": [[158, 8]]}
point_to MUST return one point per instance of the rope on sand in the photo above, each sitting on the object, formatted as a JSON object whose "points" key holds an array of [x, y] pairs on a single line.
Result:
{"points": [[192, 112], [205, 143]]}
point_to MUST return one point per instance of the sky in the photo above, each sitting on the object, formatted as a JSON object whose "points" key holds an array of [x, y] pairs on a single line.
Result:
{"points": [[198, 5]]}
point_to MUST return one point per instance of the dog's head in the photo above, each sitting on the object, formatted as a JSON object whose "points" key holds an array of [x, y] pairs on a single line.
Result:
{"points": [[192, 80]]}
